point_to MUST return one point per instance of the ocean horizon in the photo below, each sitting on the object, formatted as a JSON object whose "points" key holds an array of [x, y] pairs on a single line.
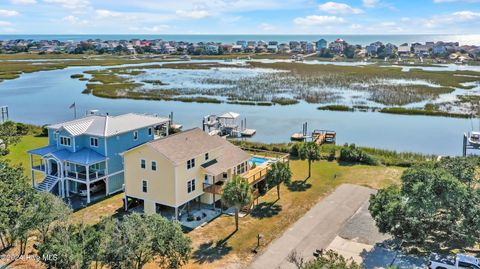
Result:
{"points": [[469, 39]]}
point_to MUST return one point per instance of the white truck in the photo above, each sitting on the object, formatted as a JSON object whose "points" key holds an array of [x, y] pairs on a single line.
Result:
{"points": [[460, 261]]}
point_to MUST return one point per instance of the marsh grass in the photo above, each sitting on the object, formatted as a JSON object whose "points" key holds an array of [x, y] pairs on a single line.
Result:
{"points": [[423, 112]]}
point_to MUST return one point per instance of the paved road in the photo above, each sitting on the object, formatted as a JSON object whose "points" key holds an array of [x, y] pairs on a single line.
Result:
{"points": [[316, 229]]}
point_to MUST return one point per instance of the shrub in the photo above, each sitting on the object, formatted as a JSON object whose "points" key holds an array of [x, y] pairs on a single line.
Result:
{"points": [[350, 153], [22, 129], [332, 154]]}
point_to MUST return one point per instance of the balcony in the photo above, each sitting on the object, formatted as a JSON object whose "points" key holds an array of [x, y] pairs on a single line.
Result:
{"points": [[212, 188], [255, 175], [82, 176]]}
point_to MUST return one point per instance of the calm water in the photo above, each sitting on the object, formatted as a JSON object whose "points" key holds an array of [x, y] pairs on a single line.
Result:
{"points": [[44, 97], [353, 39]]}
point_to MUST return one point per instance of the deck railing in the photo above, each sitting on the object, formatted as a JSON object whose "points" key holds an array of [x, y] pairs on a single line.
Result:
{"points": [[212, 188], [257, 176], [39, 167], [83, 176]]}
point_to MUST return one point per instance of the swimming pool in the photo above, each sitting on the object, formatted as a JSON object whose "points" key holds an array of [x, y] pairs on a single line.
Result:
{"points": [[257, 160]]}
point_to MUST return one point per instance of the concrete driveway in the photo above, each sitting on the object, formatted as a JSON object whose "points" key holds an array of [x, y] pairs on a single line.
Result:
{"points": [[316, 229]]}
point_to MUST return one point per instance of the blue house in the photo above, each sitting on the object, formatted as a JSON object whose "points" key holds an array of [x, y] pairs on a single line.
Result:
{"points": [[321, 44], [83, 155]]}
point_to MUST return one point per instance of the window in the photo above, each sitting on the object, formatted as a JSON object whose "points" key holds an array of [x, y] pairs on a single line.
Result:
{"points": [[191, 163], [66, 141], [191, 186], [154, 165], [150, 131], [135, 135], [93, 141], [143, 163], [225, 175], [206, 179], [206, 156], [144, 186]]}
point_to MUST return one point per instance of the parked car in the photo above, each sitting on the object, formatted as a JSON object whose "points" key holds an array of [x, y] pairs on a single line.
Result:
{"points": [[460, 261], [95, 187]]}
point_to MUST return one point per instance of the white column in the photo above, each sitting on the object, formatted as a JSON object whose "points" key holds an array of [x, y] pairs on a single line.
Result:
{"points": [[61, 175], [67, 182], [176, 213], [107, 178], [88, 184], [31, 170]]}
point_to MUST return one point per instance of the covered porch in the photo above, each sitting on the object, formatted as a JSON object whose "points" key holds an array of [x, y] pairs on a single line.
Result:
{"points": [[70, 170]]}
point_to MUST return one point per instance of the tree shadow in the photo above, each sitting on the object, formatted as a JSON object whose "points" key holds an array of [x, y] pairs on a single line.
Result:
{"points": [[299, 186], [384, 255], [345, 163], [266, 210], [209, 252]]}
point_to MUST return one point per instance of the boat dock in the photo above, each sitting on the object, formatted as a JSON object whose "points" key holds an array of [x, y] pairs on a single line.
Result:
{"points": [[227, 124], [324, 137], [320, 137]]}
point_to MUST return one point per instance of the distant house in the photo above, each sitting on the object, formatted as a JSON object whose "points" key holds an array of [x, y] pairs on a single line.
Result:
{"points": [[310, 47], [242, 43], [371, 49], [284, 48], [390, 49], [250, 49], [83, 154], [272, 48], [237, 48], [421, 50], [439, 49], [338, 46], [404, 50], [321, 44], [211, 49]]}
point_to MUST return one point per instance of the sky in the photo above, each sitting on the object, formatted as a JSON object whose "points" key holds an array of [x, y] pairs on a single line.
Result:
{"points": [[239, 17]]}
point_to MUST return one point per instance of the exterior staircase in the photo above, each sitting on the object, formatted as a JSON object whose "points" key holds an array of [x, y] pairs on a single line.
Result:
{"points": [[47, 184]]}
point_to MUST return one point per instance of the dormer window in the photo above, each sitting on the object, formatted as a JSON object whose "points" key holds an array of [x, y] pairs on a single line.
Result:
{"points": [[135, 135], [65, 141], [94, 142], [206, 157]]}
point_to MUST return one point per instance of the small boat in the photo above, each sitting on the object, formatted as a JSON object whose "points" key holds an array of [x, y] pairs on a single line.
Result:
{"points": [[474, 138]]}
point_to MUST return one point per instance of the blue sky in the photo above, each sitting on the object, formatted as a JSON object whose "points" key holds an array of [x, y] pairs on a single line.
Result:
{"points": [[239, 17]]}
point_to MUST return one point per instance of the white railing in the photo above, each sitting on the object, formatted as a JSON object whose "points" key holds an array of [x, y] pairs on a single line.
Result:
{"points": [[83, 176]]}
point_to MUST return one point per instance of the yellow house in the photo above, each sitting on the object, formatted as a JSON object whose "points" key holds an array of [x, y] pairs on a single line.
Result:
{"points": [[167, 174]]}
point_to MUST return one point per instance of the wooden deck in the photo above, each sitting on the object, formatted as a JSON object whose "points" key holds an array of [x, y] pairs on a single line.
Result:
{"points": [[256, 174], [324, 136]]}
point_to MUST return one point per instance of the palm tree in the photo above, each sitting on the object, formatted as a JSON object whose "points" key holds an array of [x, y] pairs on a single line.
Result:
{"points": [[237, 193], [278, 174], [309, 151]]}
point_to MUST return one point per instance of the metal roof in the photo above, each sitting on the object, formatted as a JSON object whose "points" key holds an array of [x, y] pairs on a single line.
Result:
{"points": [[230, 115], [104, 125], [84, 156]]}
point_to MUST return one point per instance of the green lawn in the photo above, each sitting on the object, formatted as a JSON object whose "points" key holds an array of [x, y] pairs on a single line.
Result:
{"points": [[214, 244], [18, 153]]}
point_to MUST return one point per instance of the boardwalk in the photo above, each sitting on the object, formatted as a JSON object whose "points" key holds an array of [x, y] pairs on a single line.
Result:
{"points": [[316, 229]]}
